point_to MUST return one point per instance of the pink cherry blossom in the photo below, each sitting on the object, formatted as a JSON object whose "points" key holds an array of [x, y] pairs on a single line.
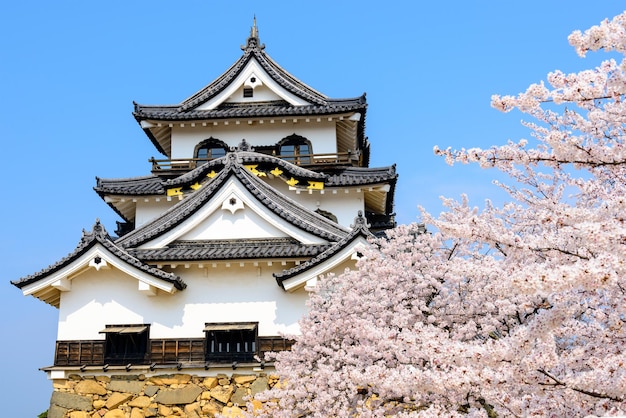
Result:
{"points": [[517, 310]]}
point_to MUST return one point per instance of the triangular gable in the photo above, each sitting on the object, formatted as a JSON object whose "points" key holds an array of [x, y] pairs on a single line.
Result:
{"points": [[263, 89], [96, 252], [339, 257], [254, 69], [341, 253], [232, 213]]}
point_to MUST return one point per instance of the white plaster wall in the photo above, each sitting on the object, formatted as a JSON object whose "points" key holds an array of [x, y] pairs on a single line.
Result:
{"points": [[221, 294], [146, 211], [198, 226], [321, 134], [243, 224], [260, 94], [345, 204]]}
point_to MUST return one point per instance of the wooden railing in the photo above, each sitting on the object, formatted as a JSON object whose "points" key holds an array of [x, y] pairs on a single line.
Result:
{"points": [[182, 165], [161, 351]]}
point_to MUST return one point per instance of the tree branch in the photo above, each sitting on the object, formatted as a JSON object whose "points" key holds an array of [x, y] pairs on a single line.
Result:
{"points": [[583, 391]]}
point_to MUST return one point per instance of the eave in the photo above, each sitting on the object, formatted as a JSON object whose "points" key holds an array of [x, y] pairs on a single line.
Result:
{"points": [[95, 251], [158, 121]]}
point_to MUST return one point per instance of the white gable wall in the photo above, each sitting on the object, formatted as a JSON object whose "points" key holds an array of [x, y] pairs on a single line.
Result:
{"points": [[243, 224], [209, 221], [252, 71], [214, 294]]}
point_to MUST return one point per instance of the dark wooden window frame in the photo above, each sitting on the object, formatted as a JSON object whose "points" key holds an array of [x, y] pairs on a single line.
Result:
{"points": [[231, 342], [127, 343], [295, 149], [209, 149]]}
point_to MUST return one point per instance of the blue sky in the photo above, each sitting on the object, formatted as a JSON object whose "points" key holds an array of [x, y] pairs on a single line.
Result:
{"points": [[70, 71]]}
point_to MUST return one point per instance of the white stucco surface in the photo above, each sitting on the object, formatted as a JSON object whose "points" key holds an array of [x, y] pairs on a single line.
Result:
{"points": [[213, 294]]}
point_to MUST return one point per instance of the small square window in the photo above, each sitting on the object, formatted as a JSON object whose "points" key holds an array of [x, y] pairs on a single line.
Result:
{"points": [[229, 342], [248, 92], [126, 344]]}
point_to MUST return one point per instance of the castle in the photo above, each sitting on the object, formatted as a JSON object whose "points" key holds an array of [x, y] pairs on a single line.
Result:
{"points": [[264, 186]]}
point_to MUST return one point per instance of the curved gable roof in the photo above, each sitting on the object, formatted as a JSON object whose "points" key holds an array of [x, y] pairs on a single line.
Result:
{"points": [[99, 236], [233, 165], [360, 230], [313, 102], [255, 49]]}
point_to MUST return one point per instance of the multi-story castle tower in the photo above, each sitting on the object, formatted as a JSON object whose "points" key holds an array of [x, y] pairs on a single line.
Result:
{"points": [[264, 185]]}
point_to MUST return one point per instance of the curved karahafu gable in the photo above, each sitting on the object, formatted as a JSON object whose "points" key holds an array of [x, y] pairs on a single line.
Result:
{"points": [[95, 250], [288, 210], [378, 183]]}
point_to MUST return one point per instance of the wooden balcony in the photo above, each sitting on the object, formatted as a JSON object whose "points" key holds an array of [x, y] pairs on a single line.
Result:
{"points": [[161, 351], [312, 161]]}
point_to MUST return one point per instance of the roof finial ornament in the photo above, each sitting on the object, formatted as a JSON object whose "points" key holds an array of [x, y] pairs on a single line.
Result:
{"points": [[253, 39], [254, 31], [244, 146]]}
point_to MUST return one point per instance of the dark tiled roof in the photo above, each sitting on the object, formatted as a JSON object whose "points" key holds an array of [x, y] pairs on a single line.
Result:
{"points": [[264, 161], [360, 229], [318, 104], [98, 235], [230, 249], [173, 113], [153, 185], [284, 207], [254, 49], [135, 186], [359, 176]]}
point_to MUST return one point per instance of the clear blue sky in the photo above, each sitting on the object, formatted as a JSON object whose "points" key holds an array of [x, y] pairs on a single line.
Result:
{"points": [[69, 72]]}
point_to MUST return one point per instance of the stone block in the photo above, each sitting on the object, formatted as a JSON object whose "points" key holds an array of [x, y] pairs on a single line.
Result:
{"points": [[78, 414], [211, 408], [170, 379], [165, 410], [99, 403], [71, 401], [60, 384], [243, 379], [125, 377], [151, 412], [116, 399], [259, 385], [222, 393], [115, 413], [103, 379], [185, 395], [232, 412], [192, 410], [140, 402], [56, 411], [137, 413], [239, 395], [128, 386], [209, 382], [89, 387], [151, 390]]}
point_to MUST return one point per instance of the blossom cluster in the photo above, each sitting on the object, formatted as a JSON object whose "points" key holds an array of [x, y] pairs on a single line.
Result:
{"points": [[517, 310]]}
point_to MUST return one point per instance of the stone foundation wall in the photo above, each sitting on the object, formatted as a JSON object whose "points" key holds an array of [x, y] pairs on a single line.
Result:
{"points": [[165, 396]]}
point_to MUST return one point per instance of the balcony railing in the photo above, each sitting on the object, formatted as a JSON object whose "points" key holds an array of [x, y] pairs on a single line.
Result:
{"points": [[183, 165]]}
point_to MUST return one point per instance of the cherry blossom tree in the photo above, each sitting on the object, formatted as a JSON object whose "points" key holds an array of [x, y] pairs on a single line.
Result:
{"points": [[518, 310]]}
